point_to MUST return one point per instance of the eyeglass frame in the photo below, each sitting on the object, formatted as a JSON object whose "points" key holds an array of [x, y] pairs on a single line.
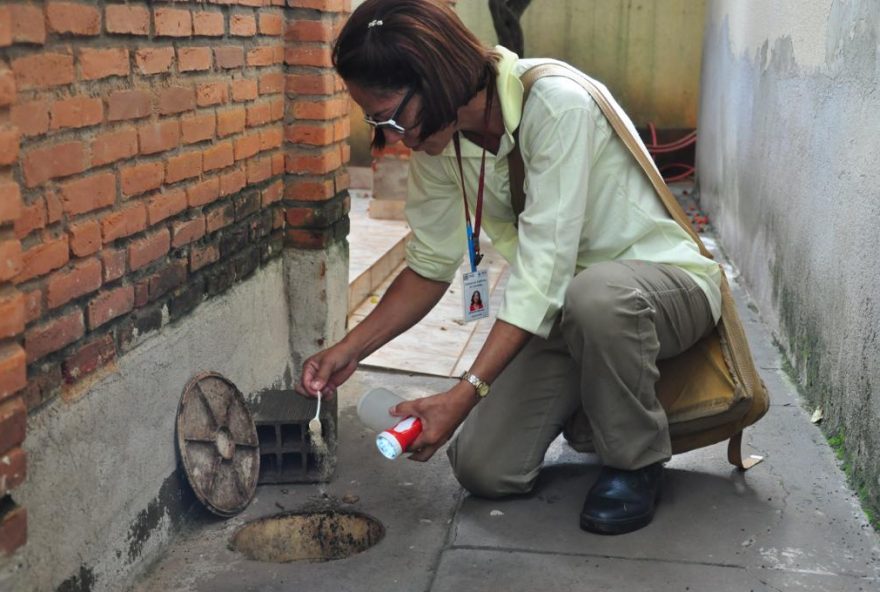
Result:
{"points": [[390, 123]]}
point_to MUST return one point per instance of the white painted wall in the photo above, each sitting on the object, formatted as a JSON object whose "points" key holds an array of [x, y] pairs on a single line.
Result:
{"points": [[787, 163]]}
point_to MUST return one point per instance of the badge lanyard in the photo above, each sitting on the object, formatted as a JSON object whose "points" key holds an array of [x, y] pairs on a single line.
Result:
{"points": [[475, 285], [473, 231]]}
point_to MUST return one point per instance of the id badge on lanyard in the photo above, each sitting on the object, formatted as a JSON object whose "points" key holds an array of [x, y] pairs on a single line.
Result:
{"points": [[475, 284], [475, 295]]}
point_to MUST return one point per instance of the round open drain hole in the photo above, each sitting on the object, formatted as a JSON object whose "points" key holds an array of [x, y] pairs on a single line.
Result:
{"points": [[311, 536]]}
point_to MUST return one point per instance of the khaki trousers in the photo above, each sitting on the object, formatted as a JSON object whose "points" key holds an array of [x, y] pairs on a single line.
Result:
{"points": [[618, 319]]}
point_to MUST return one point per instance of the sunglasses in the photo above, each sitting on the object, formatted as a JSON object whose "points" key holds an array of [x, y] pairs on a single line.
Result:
{"points": [[390, 123]]}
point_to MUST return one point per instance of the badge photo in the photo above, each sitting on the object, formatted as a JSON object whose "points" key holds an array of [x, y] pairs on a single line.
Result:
{"points": [[475, 295]]}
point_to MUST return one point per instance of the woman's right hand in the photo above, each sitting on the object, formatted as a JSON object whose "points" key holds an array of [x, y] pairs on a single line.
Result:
{"points": [[326, 370], [408, 299]]}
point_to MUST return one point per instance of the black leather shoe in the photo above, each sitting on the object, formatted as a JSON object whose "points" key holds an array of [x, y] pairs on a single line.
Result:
{"points": [[622, 501]]}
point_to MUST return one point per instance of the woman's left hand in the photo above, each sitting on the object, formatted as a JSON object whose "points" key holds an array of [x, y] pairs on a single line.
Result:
{"points": [[441, 414]]}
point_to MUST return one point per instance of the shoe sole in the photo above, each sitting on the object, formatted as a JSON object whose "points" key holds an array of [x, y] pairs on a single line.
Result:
{"points": [[618, 527], [609, 527]]}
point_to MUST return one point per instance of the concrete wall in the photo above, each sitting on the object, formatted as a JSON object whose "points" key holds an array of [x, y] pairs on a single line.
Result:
{"points": [[787, 164], [102, 492], [317, 289]]}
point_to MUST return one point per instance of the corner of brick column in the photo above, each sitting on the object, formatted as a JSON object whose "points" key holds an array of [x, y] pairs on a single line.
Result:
{"points": [[316, 201], [316, 127], [13, 373]]}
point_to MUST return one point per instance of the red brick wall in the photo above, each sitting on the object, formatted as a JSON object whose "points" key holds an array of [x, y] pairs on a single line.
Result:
{"points": [[13, 413], [152, 154], [317, 127]]}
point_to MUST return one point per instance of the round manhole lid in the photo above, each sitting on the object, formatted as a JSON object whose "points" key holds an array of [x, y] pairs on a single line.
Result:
{"points": [[218, 444]]}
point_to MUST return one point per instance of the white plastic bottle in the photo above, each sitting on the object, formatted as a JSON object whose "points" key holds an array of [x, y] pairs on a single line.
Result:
{"points": [[395, 434]]}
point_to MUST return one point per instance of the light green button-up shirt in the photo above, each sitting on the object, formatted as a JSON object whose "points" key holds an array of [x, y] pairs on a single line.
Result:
{"points": [[587, 201]]}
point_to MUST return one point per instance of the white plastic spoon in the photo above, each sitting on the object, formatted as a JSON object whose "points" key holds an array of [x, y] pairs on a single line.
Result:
{"points": [[315, 422]]}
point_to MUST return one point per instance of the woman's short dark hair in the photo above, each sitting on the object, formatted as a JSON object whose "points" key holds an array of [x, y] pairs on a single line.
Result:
{"points": [[388, 45]]}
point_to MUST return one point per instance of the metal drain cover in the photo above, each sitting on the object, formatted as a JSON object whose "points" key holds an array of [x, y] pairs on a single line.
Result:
{"points": [[218, 444]]}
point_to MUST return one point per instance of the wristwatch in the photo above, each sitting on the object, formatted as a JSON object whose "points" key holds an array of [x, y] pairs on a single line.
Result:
{"points": [[481, 385]]}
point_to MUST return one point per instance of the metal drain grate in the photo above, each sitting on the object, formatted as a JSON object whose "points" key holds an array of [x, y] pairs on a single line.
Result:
{"points": [[286, 451]]}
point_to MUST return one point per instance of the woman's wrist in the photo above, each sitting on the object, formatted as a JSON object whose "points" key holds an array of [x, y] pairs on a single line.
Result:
{"points": [[465, 393], [351, 347]]}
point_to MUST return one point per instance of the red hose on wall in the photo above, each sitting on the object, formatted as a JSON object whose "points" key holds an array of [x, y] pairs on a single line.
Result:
{"points": [[655, 148]]}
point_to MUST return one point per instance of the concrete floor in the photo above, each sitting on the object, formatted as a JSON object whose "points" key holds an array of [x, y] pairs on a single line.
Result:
{"points": [[790, 523]]}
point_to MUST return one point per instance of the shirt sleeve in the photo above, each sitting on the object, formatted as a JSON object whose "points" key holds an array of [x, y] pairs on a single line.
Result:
{"points": [[436, 218], [560, 136]]}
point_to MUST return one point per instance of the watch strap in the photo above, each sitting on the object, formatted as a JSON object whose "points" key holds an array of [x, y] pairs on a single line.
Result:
{"points": [[481, 386]]}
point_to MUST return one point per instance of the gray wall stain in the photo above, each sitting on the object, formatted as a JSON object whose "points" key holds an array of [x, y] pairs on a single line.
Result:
{"points": [[81, 582], [174, 500], [787, 170], [168, 511]]}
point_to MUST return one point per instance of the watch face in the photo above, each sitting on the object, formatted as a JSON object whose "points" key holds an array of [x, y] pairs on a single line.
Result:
{"points": [[481, 387]]}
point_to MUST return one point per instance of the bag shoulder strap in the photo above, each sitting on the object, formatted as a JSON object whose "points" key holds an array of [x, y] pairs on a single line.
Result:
{"points": [[517, 172], [730, 327], [517, 167]]}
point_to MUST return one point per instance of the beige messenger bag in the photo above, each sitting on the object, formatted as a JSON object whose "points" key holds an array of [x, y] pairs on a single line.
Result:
{"points": [[712, 391]]}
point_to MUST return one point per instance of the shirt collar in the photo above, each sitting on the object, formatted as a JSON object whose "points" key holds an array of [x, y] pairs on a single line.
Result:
{"points": [[510, 90], [510, 96]]}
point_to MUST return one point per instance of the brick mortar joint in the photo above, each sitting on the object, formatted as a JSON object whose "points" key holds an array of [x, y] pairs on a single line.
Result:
{"points": [[339, 197], [298, 12], [306, 149], [331, 235], [199, 279], [186, 215], [132, 277], [158, 158], [304, 69], [13, 342]]}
